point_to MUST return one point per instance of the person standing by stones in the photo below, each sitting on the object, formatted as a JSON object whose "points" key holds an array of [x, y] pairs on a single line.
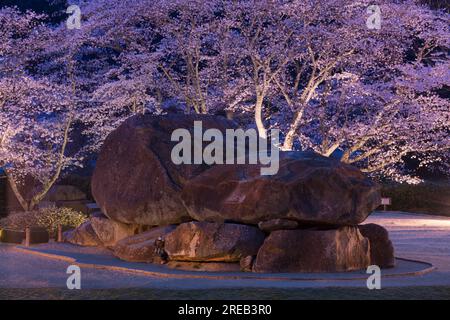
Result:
{"points": [[159, 250]]}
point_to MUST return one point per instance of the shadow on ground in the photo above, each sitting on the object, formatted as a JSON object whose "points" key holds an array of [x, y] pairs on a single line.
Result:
{"points": [[404, 293]]}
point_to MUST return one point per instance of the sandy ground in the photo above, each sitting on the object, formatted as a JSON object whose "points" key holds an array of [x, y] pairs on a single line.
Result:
{"points": [[418, 237]]}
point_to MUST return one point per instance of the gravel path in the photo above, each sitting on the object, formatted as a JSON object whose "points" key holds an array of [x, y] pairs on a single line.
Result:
{"points": [[418, 237]]}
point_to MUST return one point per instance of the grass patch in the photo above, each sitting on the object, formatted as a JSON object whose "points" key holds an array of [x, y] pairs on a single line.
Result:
{"points": [[404, 293]]}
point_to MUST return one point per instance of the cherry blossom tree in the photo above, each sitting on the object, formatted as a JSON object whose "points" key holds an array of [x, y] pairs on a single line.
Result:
{"points": [[315, 70], [35, 114], [377, 122], [378, 86]]}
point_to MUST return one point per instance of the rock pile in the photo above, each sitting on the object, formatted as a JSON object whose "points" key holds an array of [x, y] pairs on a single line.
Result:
{"points": [[305, 218]]}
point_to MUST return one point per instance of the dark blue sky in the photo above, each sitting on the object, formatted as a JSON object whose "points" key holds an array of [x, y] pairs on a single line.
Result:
{"points": [[55, 9]]}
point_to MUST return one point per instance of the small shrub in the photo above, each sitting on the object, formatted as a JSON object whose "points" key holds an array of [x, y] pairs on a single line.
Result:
{"points": [[425, 197], [19, 221], [48, 218], [51, 217]]}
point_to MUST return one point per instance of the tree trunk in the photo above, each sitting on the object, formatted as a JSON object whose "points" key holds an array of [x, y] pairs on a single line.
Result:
{"points": [[259, 118], [289, 139], [23, 203]]}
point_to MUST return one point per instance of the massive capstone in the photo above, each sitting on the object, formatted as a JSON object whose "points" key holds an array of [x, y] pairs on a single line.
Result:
{"points": [[308, 188], [135, 180]]}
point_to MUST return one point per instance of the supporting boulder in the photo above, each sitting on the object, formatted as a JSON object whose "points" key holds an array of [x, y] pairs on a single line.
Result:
{"points": [[110, 232], [334, 250], [83, 235], [141, 247], [217, 242], [381, 248]]}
